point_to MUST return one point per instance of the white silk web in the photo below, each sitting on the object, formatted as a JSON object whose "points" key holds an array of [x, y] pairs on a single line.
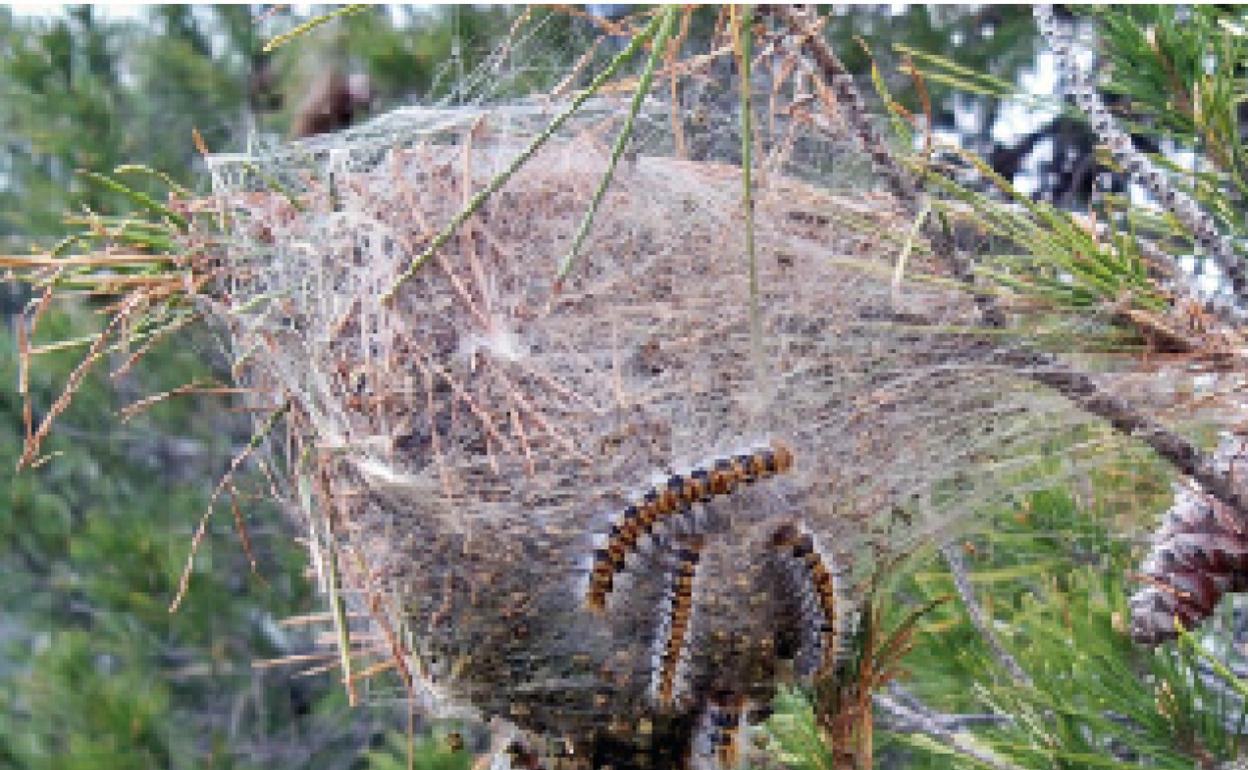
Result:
{"points": [[471, 437]]}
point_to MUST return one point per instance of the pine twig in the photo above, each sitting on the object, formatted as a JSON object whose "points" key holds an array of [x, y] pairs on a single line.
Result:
{"points": [[979, 618], [833, 73], [1083, 89], [745, 40], [915, 721], [1083, 391], [498, 181], [312, 24], [621, 141]]}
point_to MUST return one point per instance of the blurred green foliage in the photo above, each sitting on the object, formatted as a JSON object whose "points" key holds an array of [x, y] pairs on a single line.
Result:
{"points": [[94, 666], [435, 752], [94, 670], [997, 40], [85, 92], [84, 89]]}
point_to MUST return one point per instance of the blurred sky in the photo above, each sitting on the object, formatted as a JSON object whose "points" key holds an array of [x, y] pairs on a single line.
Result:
{"points": [[109, 10], [112, 10]]}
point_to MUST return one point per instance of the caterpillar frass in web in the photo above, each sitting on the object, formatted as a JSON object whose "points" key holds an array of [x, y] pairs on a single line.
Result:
{"points": [[674, 631], [816, 585], [677, 495]]}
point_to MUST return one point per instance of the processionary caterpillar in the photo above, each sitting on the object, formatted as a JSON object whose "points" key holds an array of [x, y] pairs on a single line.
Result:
{"points": [[794, 543], [717, 740], [725, 718], [679, 616], [677, 495]]}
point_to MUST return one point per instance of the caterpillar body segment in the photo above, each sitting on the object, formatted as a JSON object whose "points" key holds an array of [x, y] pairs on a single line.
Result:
{"points": [[600, 579], [694, 489], [677, 496], [717, 744], [817, 586], [674, 627]]}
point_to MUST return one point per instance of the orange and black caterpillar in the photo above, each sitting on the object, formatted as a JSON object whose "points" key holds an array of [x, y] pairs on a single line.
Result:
{"points": [[722, 477], [717, 735], [793, 543], [725, 723], [680, 613]]}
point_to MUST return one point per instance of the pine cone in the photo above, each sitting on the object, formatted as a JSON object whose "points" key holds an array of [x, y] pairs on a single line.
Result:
{"points": [[1199, 553]]}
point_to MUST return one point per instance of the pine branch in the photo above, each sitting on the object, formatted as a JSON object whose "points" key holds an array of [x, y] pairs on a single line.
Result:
{"points": [[1083, 89], [900, 183], [1086, 394], [953, 722], [906, 719], [979, 618], [1038, 366]]}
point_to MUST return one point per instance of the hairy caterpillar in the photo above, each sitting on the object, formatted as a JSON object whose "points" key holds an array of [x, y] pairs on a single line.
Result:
{"points": [[821, 617], [721, 477], [726, 719], [718, 736], [674, 631]]}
